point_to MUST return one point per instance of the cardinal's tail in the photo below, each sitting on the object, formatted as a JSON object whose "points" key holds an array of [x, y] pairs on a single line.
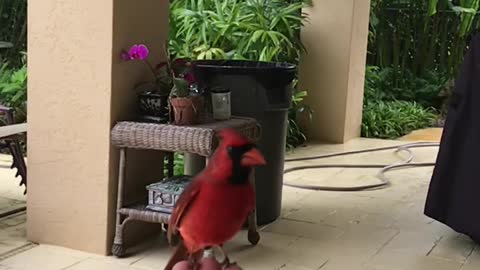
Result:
{"points": [[180, 254]]}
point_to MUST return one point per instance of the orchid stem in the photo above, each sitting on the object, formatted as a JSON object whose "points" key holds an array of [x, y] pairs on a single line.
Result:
{"points": [[169, 66], [151, 68]]}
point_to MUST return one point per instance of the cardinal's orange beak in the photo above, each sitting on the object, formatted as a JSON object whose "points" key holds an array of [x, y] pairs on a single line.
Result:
{"points": [[253, 158]]}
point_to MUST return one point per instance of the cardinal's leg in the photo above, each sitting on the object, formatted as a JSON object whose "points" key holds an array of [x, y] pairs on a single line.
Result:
{"points": [[226, 261], [193, 260]]}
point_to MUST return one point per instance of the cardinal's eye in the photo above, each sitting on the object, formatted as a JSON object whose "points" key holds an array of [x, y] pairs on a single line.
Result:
{"points": [[230, 149]]}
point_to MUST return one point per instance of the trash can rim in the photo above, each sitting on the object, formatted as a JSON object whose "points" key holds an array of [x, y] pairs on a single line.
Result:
{"points": [[261, 65]]}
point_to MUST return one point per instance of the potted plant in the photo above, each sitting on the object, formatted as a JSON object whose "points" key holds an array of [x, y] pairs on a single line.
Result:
{"points": [[187, 105], [152, 95]]}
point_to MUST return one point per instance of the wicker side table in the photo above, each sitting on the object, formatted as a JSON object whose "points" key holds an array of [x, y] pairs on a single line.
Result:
{"points": [[199, 139]]}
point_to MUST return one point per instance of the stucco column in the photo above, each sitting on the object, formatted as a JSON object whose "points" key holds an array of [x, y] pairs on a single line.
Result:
{"points": [[333, 69], [78, 88]]}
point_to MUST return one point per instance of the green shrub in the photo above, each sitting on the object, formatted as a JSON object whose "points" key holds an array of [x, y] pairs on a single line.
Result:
{"points": [[395, 107], [419, 47], [178, 165], [421, 35], [13, 93], [388, 84], [393, 119], [13, 28], [295, 135], [262, 30], [13, 90]]}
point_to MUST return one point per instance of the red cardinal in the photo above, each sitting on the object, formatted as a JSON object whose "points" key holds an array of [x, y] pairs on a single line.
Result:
{"points": [[215, 205]]}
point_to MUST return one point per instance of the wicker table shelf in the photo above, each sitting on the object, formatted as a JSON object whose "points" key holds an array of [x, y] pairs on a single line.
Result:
{"points": [[141, 213], [200, 139]]}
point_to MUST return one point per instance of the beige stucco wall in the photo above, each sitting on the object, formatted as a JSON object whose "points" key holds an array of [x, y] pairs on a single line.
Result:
{"points": [[78, 88], [333, 69]]}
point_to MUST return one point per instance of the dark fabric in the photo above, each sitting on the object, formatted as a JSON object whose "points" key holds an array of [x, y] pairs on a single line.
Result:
{"points": [[454, 194]]}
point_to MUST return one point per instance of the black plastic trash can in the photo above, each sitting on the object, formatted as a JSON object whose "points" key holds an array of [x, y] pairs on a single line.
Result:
{"points": [[261, 90]]}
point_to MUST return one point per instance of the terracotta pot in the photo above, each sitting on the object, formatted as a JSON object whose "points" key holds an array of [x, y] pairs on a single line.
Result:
{"points": [[187, 110]]}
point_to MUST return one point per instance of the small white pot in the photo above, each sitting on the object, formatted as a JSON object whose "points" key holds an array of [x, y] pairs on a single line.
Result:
{"points": [[221, 104]]}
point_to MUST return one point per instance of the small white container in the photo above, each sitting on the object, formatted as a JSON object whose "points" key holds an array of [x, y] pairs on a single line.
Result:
{"points": [[221, 104]]}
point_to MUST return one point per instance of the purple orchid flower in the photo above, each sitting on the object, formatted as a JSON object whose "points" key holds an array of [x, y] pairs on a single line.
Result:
{"points": [[125, 56], [138, 52]]}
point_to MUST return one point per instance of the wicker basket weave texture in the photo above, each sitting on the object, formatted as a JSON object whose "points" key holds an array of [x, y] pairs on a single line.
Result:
{"points": [[200, 139]]}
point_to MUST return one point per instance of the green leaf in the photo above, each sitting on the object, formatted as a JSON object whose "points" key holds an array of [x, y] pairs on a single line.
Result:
{"points": [[201, 56], [263, 54], [301, 94], [274, 38], [182, 12], [460, 10], [256, 35], [219, 7], [180, 88], [12, 88], [19, 76], [18, 96], [432, 7], [208, 55]]}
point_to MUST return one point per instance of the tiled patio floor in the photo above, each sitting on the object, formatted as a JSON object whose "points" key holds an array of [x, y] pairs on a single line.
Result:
{"points": [[372, 230]]}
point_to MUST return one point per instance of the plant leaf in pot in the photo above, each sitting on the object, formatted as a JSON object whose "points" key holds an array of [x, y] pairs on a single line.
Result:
{"points": [[180, 88], [186, 108]]}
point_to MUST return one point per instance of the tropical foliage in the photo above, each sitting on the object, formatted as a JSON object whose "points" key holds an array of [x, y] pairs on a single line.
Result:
{"points": [[13, 29], [13, 90], [415, 50], [418, 35], [262, 30]]}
